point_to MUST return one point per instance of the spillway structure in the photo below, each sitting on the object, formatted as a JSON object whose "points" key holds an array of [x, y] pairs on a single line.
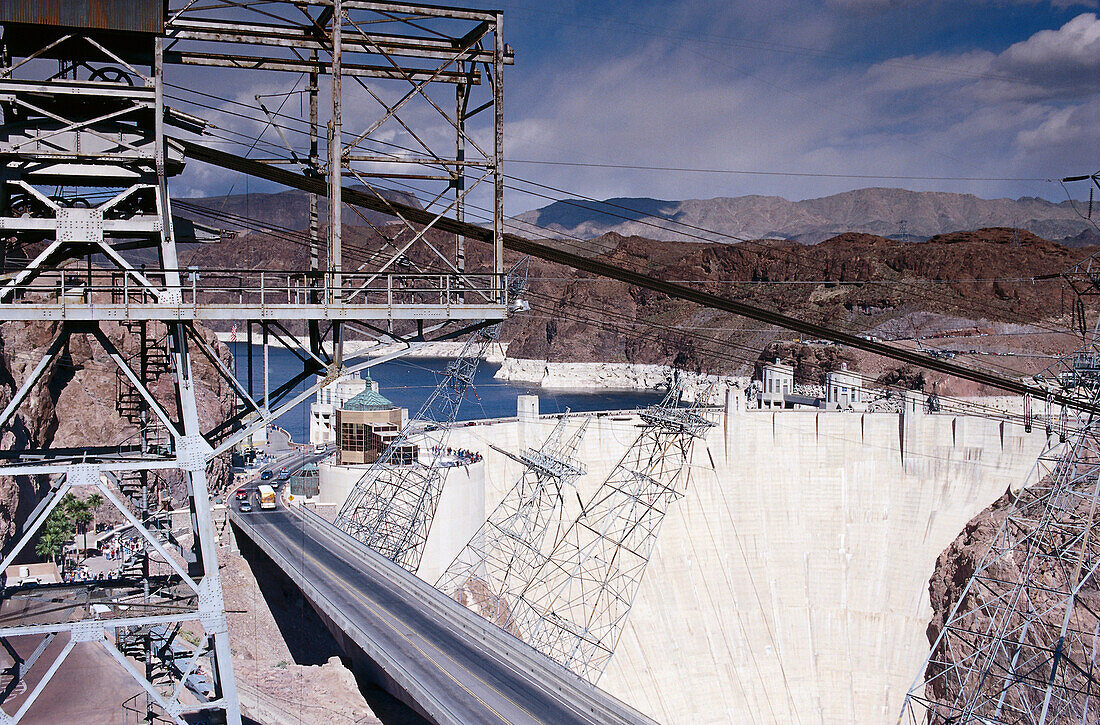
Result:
{"points": [[514, 543]]}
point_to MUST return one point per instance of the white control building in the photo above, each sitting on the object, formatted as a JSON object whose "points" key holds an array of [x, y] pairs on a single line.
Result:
{"points": [[332, 397]]}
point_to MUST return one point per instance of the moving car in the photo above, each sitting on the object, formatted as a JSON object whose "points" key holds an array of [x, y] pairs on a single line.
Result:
{"points": [[245, 507], [265, 476], [242, 494]]}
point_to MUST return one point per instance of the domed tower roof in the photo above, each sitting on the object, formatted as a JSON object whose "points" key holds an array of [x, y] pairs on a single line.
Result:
{"points": [[369, 400]]}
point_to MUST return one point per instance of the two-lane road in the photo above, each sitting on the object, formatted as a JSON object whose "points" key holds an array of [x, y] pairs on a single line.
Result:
{"points": [[471, 686]]}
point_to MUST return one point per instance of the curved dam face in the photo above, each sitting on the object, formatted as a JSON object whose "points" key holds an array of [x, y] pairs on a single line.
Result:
{"points": [[790, 583]]}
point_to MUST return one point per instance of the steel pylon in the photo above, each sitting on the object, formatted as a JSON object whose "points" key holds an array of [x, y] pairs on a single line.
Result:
{"points": [[507, 551], [1020, 644], [90, 241], [85, 169], [575, 606], [391, 508]]}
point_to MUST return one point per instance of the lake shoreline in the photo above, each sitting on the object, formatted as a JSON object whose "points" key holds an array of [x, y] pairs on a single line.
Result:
{"points": [[608, 377], [602, 376], [408, 382]]}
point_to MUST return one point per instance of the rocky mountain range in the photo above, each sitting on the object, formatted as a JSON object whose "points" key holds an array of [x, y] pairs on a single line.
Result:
{"points": [[995, 289], [893, 213], [286, 209]]}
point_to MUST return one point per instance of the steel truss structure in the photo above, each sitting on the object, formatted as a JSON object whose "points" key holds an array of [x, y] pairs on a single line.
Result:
{"points": [[1021, 642], [85, 170], [391, 508], [574, 608], [89, 241], [407, 84], [509, 549]]}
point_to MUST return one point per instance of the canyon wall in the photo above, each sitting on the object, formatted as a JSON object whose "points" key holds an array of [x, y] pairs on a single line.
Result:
{"points": [[74, 405]]}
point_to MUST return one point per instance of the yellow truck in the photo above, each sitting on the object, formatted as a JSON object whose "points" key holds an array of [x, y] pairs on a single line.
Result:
{"points": [[267, 497]]}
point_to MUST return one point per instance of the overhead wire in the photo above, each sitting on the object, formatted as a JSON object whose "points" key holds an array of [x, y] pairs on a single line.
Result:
{"points": [[800, 256], [1013, 371], [592, 249]]}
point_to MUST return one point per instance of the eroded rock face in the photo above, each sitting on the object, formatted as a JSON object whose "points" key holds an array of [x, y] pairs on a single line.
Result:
{"points": [[74, 405], [1047, 580], [34, 422]]}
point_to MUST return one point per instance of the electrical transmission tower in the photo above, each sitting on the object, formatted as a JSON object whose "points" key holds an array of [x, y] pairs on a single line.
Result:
{"points": [[575, 606], [90, 242], [1021, 642], [505, 554], [392, 506], [85, 172]]}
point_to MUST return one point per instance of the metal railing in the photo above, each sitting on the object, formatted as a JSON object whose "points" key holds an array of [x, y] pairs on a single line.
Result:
{"points": [[255, 288]]}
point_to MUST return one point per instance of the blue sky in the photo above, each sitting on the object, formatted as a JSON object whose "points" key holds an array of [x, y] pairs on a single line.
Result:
{"points": [[1007, 90], [975, 89]]}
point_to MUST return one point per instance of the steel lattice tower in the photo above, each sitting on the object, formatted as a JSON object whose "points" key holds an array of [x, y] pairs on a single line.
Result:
{"points": [[85, 170], [1021, 642], [576, 605], [509, 549], [84, 196], [392, 506]]}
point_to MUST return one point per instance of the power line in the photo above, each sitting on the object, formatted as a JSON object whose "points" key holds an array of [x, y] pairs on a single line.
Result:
{"points": [[757, 172], [710, 231]]}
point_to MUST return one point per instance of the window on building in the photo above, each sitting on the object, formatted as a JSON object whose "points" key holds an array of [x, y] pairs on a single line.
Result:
{"points": [[351, 437]]}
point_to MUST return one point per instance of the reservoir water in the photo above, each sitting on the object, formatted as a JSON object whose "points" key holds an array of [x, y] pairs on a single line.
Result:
{"points": [[409, 382]]}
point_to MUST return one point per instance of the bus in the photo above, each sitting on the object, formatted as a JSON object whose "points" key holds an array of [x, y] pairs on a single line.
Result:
{"points": [[267, 496]]}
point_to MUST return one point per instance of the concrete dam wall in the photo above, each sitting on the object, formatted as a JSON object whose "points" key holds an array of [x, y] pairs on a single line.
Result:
{"points": [[790, 584]]}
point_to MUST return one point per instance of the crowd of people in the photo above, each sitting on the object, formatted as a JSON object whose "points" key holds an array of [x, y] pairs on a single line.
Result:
{"points": [[120, 549], [464, 456], [116, 549]]}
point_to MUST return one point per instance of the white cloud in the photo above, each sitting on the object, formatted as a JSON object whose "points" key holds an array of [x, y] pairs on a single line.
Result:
{"points": [[652, 99], [1063, 60], [977, 113]]}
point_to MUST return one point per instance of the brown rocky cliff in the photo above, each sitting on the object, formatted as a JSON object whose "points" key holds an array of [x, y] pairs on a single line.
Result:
{"points": [[1047, 575], [34, 422], [75, 404], [853, 281]]}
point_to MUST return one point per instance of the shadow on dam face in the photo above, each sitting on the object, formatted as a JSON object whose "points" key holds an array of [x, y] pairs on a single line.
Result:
{"points": [[308, 639]]}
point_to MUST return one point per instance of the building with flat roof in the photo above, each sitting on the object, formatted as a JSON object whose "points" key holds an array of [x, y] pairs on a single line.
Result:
{"points": [[777, 382], [844, 388]]}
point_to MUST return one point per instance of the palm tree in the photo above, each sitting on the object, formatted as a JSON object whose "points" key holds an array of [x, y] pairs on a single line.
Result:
{"points": [[57, 530], [94, 502], [49, 545], [81, 514]]}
